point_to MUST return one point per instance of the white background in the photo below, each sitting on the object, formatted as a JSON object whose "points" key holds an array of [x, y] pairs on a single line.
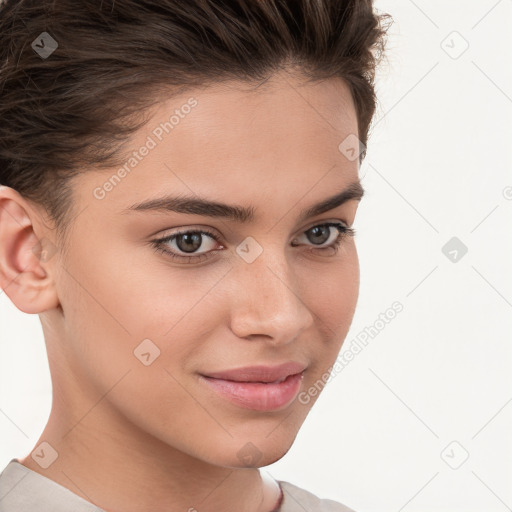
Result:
{"points": [[438, 166]]}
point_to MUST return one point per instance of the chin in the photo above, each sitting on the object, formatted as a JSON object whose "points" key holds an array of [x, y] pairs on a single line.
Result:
{"points": [[255, 452]]}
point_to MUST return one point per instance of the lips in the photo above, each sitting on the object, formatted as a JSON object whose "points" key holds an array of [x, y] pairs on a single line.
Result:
{"points": [[262, 373], [261, 388]]}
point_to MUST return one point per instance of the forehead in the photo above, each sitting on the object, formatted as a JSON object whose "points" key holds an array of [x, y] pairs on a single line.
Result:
{"points": [[283, 106], [231, 140]]}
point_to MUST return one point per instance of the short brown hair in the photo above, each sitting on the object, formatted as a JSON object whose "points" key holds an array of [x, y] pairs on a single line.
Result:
{"points": [[116, 58]]}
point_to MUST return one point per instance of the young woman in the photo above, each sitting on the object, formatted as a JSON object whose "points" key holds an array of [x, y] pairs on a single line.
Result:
{"points": [[179, 184]]}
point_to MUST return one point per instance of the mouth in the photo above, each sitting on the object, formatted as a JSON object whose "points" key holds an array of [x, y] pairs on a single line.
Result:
{"points": [[260, 388]]}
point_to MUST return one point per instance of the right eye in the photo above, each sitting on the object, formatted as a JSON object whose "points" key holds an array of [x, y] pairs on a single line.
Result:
{"points": [[184, 245]]}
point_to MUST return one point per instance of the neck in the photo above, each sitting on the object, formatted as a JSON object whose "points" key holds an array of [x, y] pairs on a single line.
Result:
{"points": [[115, 466]]}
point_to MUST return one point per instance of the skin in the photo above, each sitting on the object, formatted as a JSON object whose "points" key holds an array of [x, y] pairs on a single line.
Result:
{"points": [[132, 437]]}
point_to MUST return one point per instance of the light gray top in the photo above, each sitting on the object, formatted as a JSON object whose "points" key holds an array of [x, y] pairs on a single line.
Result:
{"points": [[25, 490]]}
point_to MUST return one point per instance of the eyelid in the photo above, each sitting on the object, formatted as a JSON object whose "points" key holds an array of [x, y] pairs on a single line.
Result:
{"points": [[217, 237], [158, 244], [336, 224], [188, 230], [321, 222]]}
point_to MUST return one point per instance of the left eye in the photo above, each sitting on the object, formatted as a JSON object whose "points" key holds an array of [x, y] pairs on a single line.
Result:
{"points": [[189, 242], [319, 235]]}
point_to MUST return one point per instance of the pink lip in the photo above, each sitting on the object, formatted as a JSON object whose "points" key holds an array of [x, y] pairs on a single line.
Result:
{"points": [[261, 373], [256, 387]]}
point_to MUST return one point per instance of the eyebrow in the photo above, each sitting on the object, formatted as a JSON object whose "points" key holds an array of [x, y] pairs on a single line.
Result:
{"points": [[200, 206]]}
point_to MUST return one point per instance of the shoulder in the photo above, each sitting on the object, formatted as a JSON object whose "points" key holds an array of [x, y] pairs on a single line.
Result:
{"points": [[296, 499], [25, 490]]}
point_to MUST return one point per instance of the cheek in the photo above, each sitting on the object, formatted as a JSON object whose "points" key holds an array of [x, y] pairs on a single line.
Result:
{"points": [[334, 292], [108, 310], [139, 293], [333, 299], [131, 335]]}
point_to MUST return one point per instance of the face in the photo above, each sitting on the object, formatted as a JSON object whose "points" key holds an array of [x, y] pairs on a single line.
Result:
{"points": [[163, 306]]}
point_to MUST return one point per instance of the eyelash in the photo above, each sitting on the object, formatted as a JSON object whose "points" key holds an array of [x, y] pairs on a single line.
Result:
{"points": [[159, 245]]}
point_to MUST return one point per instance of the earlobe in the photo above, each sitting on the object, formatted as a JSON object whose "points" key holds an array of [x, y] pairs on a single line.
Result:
{"points": [[25, 260]]}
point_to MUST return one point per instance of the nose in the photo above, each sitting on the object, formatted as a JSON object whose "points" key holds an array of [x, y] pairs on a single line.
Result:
{"points": [[266, 302]]}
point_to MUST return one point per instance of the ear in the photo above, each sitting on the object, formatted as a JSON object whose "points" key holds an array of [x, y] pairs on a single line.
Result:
{"points": [[27, 262]]}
